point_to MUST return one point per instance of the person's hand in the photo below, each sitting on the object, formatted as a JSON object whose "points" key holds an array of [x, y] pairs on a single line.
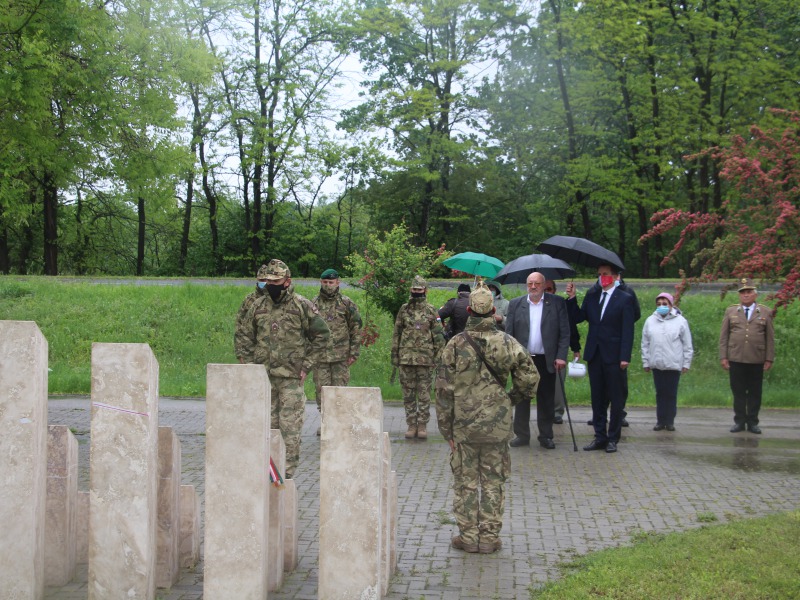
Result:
{"points": [[241, 360], [303, 375], [452, 445], [623, 364], [768, 365], [684, 370], [725, 364], [351, 360], [647, 369], [570, 290], [576, 355], [560, 364], [498, 318]]}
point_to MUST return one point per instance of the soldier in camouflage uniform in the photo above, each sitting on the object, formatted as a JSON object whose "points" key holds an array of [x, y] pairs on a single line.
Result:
{"points": [[475, 416], [287, 336], [242, 345], [343, 319], [417, 341]]}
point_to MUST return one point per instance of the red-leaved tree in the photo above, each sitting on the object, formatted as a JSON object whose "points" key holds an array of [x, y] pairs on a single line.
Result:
{"points": [[756, 232]]}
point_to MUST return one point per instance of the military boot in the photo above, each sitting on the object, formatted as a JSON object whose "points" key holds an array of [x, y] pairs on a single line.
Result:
{"points": [[412, 431], [422, 431]]}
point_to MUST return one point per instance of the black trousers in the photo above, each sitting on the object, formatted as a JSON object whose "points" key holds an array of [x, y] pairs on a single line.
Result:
{"points": [[747, 380], [666, 383], [545, 405], [606, 382]]}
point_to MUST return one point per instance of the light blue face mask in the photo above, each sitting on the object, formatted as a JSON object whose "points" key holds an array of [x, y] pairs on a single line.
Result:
{"points": [[261, 284], [616, 283], [662, 310]]}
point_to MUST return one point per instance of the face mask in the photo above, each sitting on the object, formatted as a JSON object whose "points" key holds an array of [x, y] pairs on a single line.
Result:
{"points": [[494, 294], [662, 310], [274, 291], [605, 280], [616, 283], [261, 284], [417, 294]]}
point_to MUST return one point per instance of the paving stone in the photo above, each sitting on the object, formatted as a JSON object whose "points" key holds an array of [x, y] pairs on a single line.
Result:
{"points": [[555, 510]]}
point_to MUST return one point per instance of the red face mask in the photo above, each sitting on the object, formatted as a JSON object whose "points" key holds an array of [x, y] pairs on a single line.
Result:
{"points": [[606, 280]]}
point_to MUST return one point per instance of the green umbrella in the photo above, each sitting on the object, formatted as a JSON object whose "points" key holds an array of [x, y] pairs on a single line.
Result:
{"points": [[475, 264]]}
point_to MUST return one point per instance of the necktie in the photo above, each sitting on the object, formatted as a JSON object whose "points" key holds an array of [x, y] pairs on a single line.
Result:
{"points": [[746, 313], [602, 302]]}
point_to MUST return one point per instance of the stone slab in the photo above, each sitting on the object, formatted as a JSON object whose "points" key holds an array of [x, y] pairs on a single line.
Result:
{"points": [[291, 529], [237, 480], [351, 464], [189, 543], [62, 499], [23, 467], [275, 539], [168, 508], [124, 472]]}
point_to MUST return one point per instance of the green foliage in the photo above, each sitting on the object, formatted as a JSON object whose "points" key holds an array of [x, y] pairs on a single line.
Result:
{"points": [[386, 267], [751, 558]]}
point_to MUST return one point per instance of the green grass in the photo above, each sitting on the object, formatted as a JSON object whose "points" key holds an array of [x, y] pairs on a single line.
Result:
{"points": [[189, 326], [750, 559]]}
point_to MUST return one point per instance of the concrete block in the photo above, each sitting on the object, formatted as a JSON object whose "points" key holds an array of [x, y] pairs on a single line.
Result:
{"points": [[62, 499]]}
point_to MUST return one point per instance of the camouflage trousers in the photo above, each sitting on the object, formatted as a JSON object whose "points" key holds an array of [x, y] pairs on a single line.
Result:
{"points": [[479, 476], [336, 373], [416, 383], [287, 411]]}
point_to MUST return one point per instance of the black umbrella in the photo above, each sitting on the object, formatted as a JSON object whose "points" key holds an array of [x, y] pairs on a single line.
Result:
{"points": [[517, 270], [579, 251]]}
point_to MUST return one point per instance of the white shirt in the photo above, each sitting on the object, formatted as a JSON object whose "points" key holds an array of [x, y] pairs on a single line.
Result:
{"points": [[535, 344], [608, 297]]}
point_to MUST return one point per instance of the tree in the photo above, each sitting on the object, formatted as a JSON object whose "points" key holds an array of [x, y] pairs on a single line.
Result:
{"points": [[386, 267], [755, 231], [424, 59]]}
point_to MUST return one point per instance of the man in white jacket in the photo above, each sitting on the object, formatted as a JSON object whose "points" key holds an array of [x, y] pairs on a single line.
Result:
{"points": [[667, 352]]}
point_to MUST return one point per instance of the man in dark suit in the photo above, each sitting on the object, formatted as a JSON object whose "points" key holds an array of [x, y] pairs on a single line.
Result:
{"points": [[609, 342], [539, 322]]}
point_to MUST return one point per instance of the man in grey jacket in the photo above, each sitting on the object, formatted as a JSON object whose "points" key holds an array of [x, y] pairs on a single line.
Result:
{"points": [[539, 322]]}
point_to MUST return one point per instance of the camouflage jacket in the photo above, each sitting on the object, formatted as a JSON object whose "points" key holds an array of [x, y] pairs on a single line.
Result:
{"points": [[287, 336], [341, 316], [242, 344], [470, 404], [418, 335]]}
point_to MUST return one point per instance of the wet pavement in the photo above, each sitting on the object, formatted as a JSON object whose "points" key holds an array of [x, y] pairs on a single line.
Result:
{"points": [[559, 503]]}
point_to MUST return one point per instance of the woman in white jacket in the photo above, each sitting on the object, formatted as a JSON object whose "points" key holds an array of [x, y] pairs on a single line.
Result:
{"points": [[667, 352]]}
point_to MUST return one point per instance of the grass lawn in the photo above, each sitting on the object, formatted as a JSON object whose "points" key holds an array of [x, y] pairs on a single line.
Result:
{"points": [[750, 559], [191, 325]]}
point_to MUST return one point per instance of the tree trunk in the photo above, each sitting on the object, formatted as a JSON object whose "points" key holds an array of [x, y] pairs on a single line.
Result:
{"points": [[5, 260], [50, 197], [211, 200], [140, 243]]}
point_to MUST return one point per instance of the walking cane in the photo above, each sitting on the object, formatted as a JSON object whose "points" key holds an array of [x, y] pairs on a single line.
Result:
{"points": [[566, 407]]}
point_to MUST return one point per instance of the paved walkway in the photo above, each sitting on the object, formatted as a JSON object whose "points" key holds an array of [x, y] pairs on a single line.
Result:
{"points": [[559, 503]]}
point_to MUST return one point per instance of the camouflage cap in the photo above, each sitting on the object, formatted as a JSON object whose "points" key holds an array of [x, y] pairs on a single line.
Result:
{"points": [[745, 284], [276, 270], [419, 283], [262, 272], [480, 300]]}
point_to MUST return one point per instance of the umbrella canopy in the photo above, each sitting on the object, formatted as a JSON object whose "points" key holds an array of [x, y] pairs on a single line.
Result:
{"points": [[474, 264], [579, 251], [517, 270]]}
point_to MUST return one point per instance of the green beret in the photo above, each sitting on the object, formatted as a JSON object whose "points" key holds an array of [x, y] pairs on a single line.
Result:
{"points": [[329, 274]]}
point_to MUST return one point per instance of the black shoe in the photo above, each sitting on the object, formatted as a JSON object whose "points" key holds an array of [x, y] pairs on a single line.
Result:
{"points": [[754, 429], [658, 427], [595, 445], [737, 428], [625, 423], [558, 421], [590, 422], [611, 447], [547, 443], [670, 427], [518, 441]]}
